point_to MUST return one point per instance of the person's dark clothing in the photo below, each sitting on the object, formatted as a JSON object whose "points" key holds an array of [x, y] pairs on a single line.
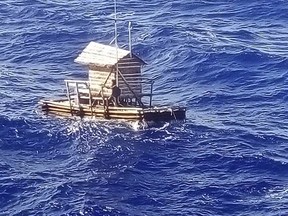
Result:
{"points": [[116, 91]]}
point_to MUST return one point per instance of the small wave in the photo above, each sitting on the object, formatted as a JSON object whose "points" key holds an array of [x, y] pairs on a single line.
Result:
{"points": [[278, 193]]}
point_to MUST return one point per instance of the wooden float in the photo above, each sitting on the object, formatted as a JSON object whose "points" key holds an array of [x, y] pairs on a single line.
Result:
{"points": [[107, 65]]}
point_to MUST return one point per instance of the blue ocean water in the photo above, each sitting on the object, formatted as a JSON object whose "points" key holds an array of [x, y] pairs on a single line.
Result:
{"points": [[226, 61]]}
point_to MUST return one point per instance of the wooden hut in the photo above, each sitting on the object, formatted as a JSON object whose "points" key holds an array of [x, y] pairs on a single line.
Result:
{"points": [[103, 65], [91, 98]]}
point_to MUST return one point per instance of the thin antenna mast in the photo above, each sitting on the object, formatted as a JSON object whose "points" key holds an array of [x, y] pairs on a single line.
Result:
{"points": [[116, 42], [130, 39]]}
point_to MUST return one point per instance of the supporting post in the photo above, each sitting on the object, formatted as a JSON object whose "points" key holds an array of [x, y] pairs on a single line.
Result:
{"points": [[77, 94], [105, 106], [68, 96], [130, 39], [90, 98]]}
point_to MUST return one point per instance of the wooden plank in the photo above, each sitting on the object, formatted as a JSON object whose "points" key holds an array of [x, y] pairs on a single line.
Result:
{"points": [[113, 112], [132, 75], [132, 70], [132, 86], [91, 72], [132, 82], [129, 59], [100, 114], [124, 117], [128, 63], [103, 55], [128, 67], [112, 109], [62, 103], [100, 54], [98, 68], [100, 80], [98, 77], [58, 110]]}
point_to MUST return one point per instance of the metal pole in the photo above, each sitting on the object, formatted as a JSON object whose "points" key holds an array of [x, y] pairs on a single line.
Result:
{"points": [[130, 39], [116, 41], [151, 93]]}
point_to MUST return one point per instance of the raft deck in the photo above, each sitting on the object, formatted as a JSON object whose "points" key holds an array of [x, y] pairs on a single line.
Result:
{"points": [[67, 107]]}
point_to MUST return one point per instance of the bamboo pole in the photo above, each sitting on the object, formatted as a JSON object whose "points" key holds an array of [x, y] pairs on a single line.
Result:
{"points": [[130, 39], [116, 41]]}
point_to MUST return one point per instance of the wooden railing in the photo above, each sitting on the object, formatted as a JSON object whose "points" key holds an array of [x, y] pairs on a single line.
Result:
{"points": [[76, 88]]}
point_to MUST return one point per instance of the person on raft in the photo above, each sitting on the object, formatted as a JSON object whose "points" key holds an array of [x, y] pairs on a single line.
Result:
{"points": [[116, 92]]}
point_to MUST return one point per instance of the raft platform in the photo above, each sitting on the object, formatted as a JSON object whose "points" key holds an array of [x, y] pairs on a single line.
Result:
{"points": [[63, 107]]}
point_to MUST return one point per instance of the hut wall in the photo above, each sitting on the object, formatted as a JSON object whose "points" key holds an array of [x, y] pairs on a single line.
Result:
{"points": [[129, 67], [97, 77], [131, 70]]}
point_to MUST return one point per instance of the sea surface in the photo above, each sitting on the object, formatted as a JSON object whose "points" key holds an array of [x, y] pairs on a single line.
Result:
{"points": [[226, 61]]}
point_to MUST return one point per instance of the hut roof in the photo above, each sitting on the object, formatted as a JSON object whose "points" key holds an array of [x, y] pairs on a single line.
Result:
{"points": [[101, 55]]}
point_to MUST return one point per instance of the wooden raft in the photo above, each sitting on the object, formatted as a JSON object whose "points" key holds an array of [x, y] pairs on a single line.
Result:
{"points": [[93, 96], [62, 107]]}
